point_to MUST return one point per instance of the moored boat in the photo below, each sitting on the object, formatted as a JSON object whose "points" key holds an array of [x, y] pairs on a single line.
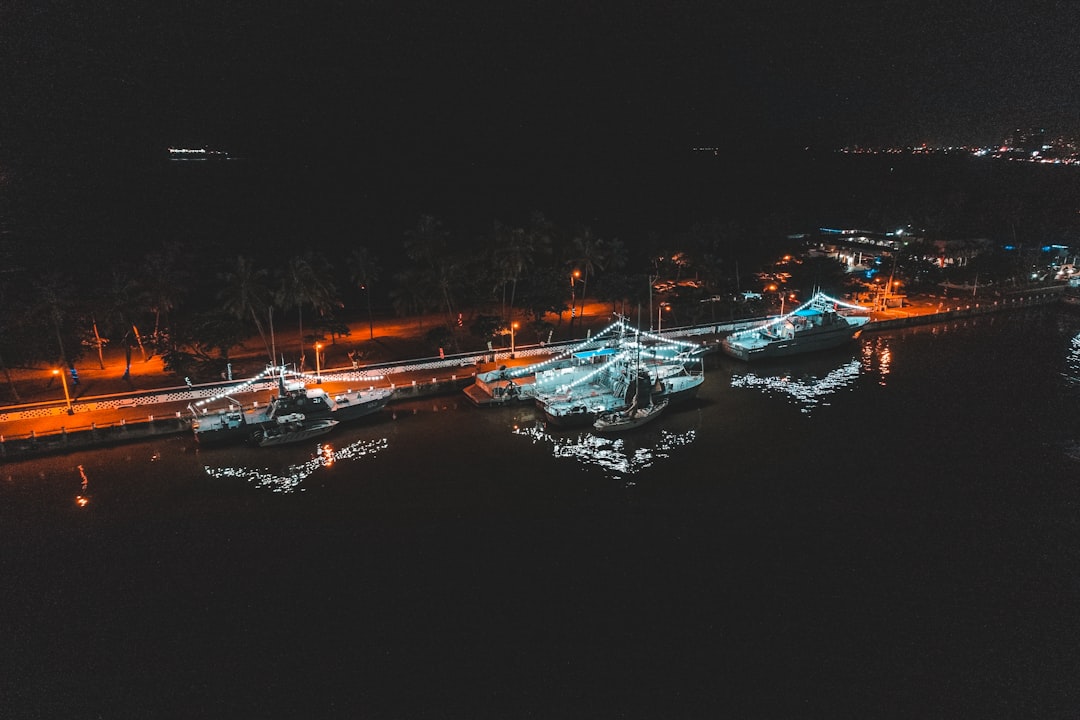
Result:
{"points": [[616, 384], [236, 425], [816, 325], [628, 418], [291, 428], [227, 426]]}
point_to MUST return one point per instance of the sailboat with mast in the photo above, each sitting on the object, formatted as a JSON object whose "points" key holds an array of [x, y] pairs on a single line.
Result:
{"points": [[641, 409], [669, 370]]}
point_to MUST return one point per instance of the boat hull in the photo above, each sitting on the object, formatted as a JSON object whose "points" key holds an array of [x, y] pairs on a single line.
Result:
{"points": [[353, 406], [585, 411], [270, 437], [812, 342]]}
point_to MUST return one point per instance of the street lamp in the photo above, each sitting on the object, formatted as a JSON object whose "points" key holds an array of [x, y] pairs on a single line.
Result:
{"points": [[67, 396], [573, 295], [318, 363], [660, 315], [513, 326]]}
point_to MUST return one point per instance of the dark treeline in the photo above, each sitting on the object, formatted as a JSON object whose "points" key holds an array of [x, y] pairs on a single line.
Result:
{"points": [[194, 258]]}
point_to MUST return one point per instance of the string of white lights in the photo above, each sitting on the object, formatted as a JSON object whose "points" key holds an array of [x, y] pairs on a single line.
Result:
{"points": [[569, 352], [270, 370], [818, 298]]}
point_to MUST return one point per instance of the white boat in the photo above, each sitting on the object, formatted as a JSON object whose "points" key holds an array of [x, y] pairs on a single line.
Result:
{"points": [[816, 325], [235, 424], [635, 371], [576, 365], [291, 428], [628, 418]]}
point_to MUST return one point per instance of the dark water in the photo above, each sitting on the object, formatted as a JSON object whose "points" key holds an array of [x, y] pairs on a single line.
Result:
{"points": [[887, 530]]}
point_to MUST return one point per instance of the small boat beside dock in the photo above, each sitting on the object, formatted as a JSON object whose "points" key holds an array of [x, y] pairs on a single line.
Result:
{"points": [[291, 428], [628, 418]]}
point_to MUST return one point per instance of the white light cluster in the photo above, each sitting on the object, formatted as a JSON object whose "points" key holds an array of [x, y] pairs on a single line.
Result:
{"points": [[589, 376], [619, 325], [805, 391], [1073, 360], [611, 454], [818, 297], [567, 353], [290, 480], [242, 386]]}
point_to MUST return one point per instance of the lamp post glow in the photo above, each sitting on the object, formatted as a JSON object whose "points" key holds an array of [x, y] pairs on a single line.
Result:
{"points": [[67, 396], [660, 315], [318, 362], [573, 293], [513, 326]]}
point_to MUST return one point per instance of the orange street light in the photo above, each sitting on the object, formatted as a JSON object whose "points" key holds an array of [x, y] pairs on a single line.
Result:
{"points": [[67, 395], [660, 315], [318, 362], [573, 293], [513, 326]]}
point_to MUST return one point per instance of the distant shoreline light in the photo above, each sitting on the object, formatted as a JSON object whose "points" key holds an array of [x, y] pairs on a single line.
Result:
{"points": [[1066, 156], [180, 153]]}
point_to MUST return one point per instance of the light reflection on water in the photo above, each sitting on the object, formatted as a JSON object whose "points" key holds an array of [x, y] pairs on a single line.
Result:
{"points": [[806, 391], [617, 456], [83, 498], [290, 479], [809, 381], [878, 349], [1072, 359]]}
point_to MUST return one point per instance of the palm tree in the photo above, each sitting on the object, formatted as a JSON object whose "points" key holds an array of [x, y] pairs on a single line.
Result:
{"points": [[426, 245], [54, 298], [306, 281], [363, 271], [411, 294], [121, 303], [243, 291], [513, 256], [588, 254], [162, 286]]}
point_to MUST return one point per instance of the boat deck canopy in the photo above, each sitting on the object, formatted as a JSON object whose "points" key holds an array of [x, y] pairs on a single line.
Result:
{"points": [[594, 353]]}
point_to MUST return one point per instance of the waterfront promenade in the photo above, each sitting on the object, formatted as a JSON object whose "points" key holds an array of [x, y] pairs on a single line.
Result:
{"points": [[108, 408]]}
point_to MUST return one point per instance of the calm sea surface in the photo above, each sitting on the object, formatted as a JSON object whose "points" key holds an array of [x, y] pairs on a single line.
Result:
{"points": [[888, 530]]}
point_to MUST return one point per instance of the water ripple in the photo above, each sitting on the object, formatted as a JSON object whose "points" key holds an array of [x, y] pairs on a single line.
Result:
{"points": [[290, 479], [807, 391], [617, 456]]}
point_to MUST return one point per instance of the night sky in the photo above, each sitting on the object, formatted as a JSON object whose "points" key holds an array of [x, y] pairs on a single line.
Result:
{"points": [[452, 81]]}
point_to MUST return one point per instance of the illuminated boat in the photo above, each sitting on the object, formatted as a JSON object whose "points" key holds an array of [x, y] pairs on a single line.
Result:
{"points": [[525, 383], [615, 385], [291, 428], [574, 364], [236, 425], [816, 325]]}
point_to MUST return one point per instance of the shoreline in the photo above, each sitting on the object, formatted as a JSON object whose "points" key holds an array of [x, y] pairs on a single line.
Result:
{"points": [[39, 430]]}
